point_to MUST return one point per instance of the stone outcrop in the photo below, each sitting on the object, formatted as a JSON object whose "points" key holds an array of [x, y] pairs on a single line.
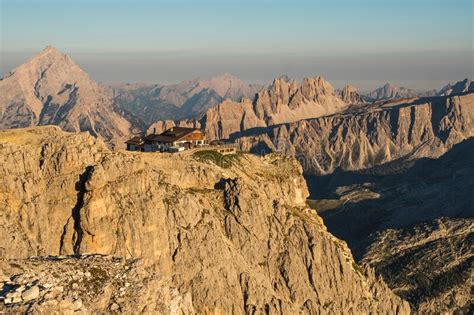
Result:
{"points": [[363, 137], [86, 284], [51, 89], [236, 238]]}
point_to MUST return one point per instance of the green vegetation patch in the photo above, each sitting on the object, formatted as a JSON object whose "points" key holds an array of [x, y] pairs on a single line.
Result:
{"points": [[209, 156], [304, 215]]}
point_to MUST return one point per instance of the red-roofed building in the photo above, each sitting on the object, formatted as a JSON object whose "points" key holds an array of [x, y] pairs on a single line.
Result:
{"points": [[172, 139]]}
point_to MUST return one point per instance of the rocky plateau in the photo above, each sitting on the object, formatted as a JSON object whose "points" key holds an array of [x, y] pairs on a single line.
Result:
{"points": [[87, 230]]}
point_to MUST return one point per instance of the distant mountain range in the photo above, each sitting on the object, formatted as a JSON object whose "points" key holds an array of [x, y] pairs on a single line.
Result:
{"points": [[459, 87], [51, 89], [391, 91], [188, 99], [281, 102]]}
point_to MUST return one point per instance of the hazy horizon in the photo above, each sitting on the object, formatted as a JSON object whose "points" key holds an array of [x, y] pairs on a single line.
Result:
{"points": [[416, 44]]}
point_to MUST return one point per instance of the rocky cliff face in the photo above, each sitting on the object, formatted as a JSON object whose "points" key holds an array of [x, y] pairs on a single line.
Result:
{"points": [[235, 238], [350, 95], [363, 137], [282, 102], [51, 89]]}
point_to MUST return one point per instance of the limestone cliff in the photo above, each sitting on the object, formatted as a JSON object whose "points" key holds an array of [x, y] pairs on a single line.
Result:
{"points": [[235, 237], [370, 135], [51, 89], [350, 95], [282, 102]]}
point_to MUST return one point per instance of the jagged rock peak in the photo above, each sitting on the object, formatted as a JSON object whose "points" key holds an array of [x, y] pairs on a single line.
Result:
{"points": [[316, 84], [42, 60], [51, 53], [281, 102], [349, 89], [285, 77], [350, 95], [405, 130], [50, 49], [278, 86], [311, 87]]}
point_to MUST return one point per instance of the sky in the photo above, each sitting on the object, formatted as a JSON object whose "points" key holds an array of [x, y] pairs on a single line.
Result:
{"points": [[421, 44]]}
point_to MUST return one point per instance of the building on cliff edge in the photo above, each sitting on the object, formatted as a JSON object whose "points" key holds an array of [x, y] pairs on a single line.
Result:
{"points": [[175, 139]]}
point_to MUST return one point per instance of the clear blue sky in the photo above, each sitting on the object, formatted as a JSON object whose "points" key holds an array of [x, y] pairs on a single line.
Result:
{"points": [[366, 42]]}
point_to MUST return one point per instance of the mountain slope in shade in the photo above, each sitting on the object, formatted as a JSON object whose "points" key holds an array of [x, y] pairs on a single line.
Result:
{"points": [[51, 89], [415, 225], [390, 91], [282, 102], [185, 100], [459, 87], [143, 101], [428, 93], [199, 103]]}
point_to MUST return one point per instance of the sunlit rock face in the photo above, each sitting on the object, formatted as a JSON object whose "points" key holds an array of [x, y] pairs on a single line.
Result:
{"points": [[281, 102], [230, 238], [369, 135], [50, 89]]}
